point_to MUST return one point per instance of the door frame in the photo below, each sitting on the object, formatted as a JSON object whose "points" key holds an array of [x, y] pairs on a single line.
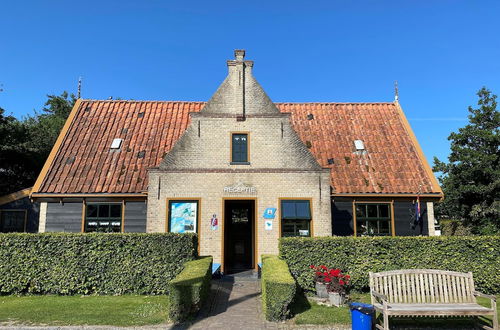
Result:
{"points": [[254, 229]]}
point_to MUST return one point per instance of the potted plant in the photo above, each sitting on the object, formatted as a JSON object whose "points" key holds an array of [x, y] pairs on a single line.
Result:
{"points": [[321, 279], [337, 287]]}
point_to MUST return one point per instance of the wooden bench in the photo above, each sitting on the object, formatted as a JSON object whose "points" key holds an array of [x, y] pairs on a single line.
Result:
{"points": [[426, 292]]}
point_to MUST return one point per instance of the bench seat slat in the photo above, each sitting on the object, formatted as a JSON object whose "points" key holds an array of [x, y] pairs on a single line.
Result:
{"points": [[436, 309]]}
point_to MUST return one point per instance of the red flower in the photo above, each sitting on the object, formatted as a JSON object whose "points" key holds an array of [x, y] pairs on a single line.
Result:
{"points": [[319, 273], [335, 272], [323, 267], [312, 266], [341, 282], [327, 279], [347, 276]]}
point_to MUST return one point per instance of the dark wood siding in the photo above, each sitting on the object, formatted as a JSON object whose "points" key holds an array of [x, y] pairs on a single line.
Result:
{"points": [[403, 212], [33, 210], [342, 222], [342, 219], [135, 217], [66, 217]]}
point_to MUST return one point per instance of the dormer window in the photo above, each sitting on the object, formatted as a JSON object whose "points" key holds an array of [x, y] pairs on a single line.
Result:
{"points": [[239, 149]]}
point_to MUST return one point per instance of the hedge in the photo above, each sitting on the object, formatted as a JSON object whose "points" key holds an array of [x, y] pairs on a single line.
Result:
{"points": [[278, 288], [359, 255], [64, 263], [190, 288]]}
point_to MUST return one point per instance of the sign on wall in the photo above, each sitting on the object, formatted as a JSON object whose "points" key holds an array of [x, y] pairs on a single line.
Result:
{"points": [[183, 216], [269, 213], [268, 224], [240, 188], [214, 222]]}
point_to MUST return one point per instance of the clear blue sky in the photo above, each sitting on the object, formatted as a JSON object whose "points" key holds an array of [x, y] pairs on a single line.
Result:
{"points": [[441, 52]]}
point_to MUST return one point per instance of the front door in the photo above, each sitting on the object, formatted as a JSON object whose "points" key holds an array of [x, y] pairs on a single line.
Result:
{"points": [[238, 235]]}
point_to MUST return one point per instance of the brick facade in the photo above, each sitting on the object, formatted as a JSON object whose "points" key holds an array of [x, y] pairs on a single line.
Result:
{"points": [[199, 165]]}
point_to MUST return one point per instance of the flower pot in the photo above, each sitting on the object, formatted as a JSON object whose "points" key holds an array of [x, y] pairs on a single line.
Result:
{"points": [[336, 299], [321, 291]]}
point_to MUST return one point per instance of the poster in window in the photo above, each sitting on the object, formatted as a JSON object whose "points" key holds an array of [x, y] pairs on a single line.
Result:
{"points": [[183, 217]]}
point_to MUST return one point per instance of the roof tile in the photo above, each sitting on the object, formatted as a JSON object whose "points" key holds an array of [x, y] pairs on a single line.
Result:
{"points": [[390, 164]]}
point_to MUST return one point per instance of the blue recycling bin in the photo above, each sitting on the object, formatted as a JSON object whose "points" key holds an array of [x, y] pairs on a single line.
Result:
{"points": [[362, 316]]}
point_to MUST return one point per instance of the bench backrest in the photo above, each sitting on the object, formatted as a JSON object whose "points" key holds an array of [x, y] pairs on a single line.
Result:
{"points": [[423, 286]]}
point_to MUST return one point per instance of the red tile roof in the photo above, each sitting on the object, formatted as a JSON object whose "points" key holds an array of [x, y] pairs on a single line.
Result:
{"points": [[84, 163]]}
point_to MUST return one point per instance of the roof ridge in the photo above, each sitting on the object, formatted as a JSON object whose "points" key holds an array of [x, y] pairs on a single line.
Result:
{"points": [[179, 101]]}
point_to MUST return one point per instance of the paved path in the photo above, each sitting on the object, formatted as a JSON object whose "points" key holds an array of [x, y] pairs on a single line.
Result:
{"points": [[235, 303]]}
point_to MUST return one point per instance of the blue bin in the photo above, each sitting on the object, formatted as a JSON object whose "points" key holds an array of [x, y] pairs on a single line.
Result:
{"points": [[362, 316]]}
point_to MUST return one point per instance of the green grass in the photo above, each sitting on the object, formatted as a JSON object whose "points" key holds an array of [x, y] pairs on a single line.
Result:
{"points": [[311, 313], [127, 310]]}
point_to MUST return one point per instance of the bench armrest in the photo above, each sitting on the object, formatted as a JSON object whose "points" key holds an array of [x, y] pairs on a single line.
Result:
{"points": [[480, 294], [379, 296]]}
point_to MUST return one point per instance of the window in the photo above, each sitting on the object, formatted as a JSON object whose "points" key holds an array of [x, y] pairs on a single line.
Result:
{"points": [[105, 218], [373, 219], [12, 221], [239, 148], [295, 218], [183, 216]]}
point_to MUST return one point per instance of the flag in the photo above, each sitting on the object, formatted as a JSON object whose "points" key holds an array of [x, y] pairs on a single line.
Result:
{"points": [[417, 211]]}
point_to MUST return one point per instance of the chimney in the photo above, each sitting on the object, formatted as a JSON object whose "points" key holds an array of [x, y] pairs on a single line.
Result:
{"points": [[239, 69]]}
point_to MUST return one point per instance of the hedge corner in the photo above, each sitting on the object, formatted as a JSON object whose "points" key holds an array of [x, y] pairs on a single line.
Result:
{"points": [[190, 288], [278, 288]]}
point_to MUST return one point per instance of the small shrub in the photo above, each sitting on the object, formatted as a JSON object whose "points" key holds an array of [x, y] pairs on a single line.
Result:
{"points": [[360, 255], [454, 228], [278, 288], [97, 263], [190, 288]]}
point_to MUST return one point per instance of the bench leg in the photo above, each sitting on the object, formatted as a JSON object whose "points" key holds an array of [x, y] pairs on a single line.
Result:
{"points": [[386, 321], [495, 321]]}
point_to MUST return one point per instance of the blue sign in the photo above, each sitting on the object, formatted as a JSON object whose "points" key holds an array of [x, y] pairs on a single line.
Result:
{"points": [[269, 213]]}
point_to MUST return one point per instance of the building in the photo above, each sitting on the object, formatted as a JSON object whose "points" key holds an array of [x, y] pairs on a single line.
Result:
{"points": [[239, 170], [17, 213]]}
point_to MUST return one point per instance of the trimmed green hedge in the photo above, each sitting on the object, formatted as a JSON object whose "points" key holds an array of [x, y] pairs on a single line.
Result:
{"points": [[359, 255], [64, 263], [278, 288], [190, 288]]}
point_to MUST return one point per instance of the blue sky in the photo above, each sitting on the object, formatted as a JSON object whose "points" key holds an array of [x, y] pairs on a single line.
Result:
{"points": [[440, 51]]}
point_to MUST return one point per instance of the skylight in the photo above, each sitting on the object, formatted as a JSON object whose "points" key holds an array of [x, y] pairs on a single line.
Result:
{"points": [[116, 144], [359, 145]]}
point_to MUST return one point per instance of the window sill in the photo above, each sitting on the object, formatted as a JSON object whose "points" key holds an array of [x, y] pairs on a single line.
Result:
{"points": [[239, 163]]}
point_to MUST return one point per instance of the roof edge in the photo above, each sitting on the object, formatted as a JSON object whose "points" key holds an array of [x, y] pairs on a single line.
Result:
{"points": [[57, 145], [15, 196], [420, 153]]}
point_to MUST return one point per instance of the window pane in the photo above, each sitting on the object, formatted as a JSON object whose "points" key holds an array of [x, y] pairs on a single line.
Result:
{"points": [[288, 210], [361, 211], [383, 210], [372, 210], [373, 219], [91, 211], [103, 211], [302, 210], [12, 221], [293, 228], [116, 210], [239, 146]]}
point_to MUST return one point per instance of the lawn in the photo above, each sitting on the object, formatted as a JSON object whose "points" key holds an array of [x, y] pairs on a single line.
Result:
{"points": [[127, 310], [311, 313]]}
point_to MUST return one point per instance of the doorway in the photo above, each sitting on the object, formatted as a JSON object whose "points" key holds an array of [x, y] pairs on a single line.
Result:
{"points": [[239, 219]]}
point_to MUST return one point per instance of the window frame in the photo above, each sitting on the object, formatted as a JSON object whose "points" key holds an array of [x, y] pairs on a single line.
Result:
{"points": [[231, 159], [390, 204], [185, 200], [281, 220], [86, 218], [15, 210]]}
